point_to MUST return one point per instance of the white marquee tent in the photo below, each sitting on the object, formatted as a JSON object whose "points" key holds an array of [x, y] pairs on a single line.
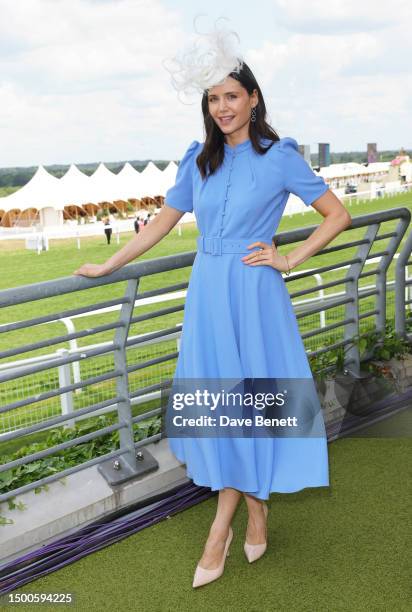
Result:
{"points": [[130, 181], [75, 188], [168, 178], [43, 190], [103, 186], [151, 177]]}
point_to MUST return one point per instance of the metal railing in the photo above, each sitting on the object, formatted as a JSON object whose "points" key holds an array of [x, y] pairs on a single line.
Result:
{"points": [[71, 401], [124, 461]]}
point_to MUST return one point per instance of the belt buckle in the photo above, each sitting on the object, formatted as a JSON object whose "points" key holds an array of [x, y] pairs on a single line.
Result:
{"points": [[217, 246]]}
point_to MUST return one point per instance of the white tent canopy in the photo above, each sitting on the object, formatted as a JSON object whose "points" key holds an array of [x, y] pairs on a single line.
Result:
{"points": [[130, 180], [43, 190], [76, 188], [151, 178], [168, 178], [103, 186]]}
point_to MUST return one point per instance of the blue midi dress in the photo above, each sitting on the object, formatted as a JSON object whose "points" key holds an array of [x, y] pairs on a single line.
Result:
{"points": [[238, 319]]}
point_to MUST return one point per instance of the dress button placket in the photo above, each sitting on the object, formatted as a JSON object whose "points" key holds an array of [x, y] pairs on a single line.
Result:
{"points": [[227, 194]]}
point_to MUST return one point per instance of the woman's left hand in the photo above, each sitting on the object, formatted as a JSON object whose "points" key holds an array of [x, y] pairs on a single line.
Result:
{"points": [[266, 256]]}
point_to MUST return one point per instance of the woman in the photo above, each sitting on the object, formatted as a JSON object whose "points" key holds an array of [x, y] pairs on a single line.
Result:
{"points": [[238, 318]]}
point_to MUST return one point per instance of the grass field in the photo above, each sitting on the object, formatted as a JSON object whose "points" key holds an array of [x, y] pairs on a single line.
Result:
{"points": [[26, 267]]}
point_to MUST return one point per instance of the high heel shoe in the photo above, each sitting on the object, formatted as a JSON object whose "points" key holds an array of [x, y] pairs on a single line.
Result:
{"points": [[203, 576], [255, 551]]}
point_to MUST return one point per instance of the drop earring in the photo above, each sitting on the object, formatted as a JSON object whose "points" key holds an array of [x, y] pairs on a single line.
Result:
{"points": [[253, 114]]}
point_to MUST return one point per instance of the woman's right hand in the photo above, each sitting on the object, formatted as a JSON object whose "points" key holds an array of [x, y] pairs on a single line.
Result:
{"points": [[92, 270]]}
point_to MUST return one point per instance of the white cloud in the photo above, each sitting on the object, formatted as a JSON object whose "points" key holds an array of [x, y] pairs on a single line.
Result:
{"points": [[342, 16], [56, 44], [334, 85], [82, 80]]}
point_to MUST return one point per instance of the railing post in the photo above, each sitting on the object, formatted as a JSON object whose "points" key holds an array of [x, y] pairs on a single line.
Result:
{"points": [[383, 266], [126, 465], [352, 307], [401, 296], [120, 362]]}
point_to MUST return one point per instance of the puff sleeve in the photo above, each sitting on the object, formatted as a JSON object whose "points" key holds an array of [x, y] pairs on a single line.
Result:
{"points": [[180, 196], [300, 179]]}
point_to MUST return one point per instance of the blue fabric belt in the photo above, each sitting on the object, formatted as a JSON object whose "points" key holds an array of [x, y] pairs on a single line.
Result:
{"points": [[215, 245]]}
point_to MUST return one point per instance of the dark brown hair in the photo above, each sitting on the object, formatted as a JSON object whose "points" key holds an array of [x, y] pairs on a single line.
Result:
{"points": [[212, 154]]}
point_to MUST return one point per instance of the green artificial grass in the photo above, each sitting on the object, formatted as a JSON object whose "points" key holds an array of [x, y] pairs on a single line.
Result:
{"points": [[329, 549]]}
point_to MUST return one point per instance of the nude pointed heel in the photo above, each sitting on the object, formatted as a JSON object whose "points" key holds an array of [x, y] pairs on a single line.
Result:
{"points": [[204, 576], [253, 552]]}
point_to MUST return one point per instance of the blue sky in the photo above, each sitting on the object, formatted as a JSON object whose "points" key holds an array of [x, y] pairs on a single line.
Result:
{"points": [[82, 80]]}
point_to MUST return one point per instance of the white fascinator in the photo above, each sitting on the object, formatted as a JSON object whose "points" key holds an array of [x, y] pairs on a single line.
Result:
{"points": [[207, 62]]}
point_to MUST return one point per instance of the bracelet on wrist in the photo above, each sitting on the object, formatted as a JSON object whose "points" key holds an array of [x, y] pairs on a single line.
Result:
{"points": [[287, 261]]}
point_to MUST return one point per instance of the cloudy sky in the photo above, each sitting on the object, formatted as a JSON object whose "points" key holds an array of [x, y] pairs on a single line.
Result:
{"points": [[83, 81]]}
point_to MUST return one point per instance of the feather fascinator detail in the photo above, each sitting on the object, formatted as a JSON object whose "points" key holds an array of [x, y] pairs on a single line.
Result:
{"points": [[207, 62]]}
